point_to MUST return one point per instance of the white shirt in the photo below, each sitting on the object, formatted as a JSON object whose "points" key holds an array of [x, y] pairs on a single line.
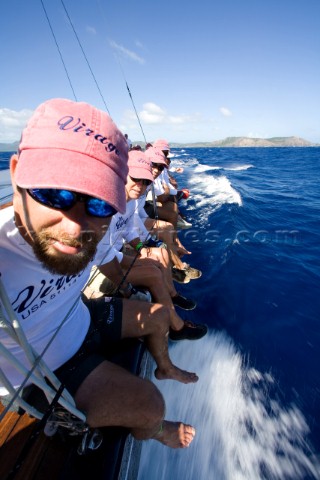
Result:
{"points": [[122, 228], [41, 301], [166, 180]]}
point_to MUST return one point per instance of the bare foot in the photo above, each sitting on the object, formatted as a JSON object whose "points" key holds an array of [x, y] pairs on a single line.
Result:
{"points": [[175, 373], [182, 251], [175, 434]]}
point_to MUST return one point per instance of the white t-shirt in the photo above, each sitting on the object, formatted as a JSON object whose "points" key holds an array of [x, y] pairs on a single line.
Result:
{"points": [[166, 179], [157, 187], [122, 228], [41, 301]]}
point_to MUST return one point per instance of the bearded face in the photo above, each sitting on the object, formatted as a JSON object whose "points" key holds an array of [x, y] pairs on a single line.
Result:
{"points": [[64, 242], [58, 262]]}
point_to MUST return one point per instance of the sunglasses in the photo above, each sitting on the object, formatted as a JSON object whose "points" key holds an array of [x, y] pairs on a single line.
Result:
{"points": [[159, 166], [66, 199], [143, 180]]}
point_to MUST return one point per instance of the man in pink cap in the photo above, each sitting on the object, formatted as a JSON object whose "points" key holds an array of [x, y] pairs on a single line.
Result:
{"points": [[167, 211], [69, 180], [164, 146], [151, 267]]}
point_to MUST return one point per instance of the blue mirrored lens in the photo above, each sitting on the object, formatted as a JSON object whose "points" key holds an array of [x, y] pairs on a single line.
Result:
{"points": [[66, 199], [61, 199], [99, 208]]}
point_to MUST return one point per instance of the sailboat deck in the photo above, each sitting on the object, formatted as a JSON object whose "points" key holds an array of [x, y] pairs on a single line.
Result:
{"points": [[56, 458], [43, 456]]}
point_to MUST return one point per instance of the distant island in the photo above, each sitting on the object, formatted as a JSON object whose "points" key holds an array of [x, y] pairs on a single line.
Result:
{"points": [[239, 142], [236, 142]]}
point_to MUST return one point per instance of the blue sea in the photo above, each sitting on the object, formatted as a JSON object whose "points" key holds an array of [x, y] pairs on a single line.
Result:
{"points": [[255, 236]]}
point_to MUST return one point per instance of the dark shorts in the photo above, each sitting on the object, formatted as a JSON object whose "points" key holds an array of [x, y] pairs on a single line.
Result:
{"points": [[103, 334], [149, 209]]}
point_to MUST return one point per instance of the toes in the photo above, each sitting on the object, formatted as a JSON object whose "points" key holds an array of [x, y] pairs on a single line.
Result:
{"points": [[188, 434], [192, 376]]}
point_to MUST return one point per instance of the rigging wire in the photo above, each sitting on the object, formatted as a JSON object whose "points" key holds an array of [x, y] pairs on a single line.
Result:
{"points": [[83, 52], [57, 45], [155, 208], [39, 359], [129, 92]]}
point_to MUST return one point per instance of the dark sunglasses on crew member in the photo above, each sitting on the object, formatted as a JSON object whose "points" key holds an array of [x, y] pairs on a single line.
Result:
{"points": [[66, 199], [159, 166], [144, 181]]}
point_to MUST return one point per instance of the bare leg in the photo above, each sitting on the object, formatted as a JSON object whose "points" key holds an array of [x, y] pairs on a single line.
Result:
{"points": [[143, 319], [161, 255], [169, 211], [165, 232], [181, 250], [146, 273], [112, 396]]}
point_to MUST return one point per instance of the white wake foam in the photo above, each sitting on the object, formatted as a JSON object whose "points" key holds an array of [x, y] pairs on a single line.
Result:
{"points": [[210, 193], [238, 168], [241, 433]]}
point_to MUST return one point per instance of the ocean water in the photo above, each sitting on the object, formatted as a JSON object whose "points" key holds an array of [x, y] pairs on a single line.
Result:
{"points": [[256, 237]]}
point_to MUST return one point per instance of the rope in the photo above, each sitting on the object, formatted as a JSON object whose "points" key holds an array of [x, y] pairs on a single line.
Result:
{"points": [[96, 272], [14, 329]]}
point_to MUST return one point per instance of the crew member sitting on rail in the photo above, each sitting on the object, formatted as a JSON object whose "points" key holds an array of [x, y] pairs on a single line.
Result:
{"points": [[151, 267], [69, 179], [182, 272], [169, 183]]}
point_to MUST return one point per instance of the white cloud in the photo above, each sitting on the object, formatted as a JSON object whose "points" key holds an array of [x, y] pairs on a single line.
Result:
{"points": [[153, 114], [12, 123], [138, 44], [126, 53], [225, 112], [157, 122], [91, 30]]}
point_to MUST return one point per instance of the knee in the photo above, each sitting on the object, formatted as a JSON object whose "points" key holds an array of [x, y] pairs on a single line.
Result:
{"points": [[161, 318], [174, 207], [151, 276], [153, 403]]}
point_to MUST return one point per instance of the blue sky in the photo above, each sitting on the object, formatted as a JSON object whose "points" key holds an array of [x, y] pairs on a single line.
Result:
{"points": [[197, 70]]}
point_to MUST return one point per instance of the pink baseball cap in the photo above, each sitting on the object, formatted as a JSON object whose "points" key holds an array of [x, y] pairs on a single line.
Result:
{"points": [[74, 146], [139, 165], [156, 156], [161, 144]]}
